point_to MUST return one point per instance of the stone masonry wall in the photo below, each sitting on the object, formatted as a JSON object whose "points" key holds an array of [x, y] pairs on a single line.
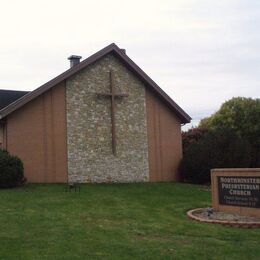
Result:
{"points": [[89, 138]]}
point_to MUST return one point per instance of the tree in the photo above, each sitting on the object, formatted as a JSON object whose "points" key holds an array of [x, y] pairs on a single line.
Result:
{"points": [[242, 115]]}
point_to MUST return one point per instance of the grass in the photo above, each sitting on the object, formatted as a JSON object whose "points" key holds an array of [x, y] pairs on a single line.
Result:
{"points": [[120, 221]]}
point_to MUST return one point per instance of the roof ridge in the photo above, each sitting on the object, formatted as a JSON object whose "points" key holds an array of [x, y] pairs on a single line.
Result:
{"points": [[185, 118]]}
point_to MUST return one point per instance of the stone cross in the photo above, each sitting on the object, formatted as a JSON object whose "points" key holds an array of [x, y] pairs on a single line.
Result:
{"points": [[113, 95]]}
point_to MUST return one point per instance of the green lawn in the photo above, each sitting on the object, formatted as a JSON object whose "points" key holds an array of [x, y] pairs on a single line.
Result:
{"points": [[120, 221]]}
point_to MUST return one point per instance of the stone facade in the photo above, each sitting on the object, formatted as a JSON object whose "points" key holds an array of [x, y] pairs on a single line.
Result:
{"points": [[89, 138]]}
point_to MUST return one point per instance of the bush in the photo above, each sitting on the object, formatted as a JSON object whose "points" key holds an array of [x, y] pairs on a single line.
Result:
{"points": [[217, 149], [193, 135], [11, 170]]}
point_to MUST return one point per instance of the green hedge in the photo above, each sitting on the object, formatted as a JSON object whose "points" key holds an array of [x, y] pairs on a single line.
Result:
{"points": [[11, 170], [216, 149]]}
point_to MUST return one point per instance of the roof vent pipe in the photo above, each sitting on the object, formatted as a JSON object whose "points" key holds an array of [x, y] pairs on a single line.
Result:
{"points": [[74, 60]]}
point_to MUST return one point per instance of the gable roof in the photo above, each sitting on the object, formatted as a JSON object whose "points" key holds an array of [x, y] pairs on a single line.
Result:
{"points": [[112, 48], [9, 96]]}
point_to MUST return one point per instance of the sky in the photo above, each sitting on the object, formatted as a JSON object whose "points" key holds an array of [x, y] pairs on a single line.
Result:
{"points": [[201, 53]]}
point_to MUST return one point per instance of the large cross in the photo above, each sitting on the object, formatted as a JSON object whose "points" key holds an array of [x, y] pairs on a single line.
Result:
{"points": [[113, 95]]}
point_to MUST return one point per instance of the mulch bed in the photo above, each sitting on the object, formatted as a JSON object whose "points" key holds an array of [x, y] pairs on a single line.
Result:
{"points": [[229, 219]]}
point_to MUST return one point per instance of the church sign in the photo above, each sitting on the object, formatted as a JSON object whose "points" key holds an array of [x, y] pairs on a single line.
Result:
{"points": [[239, 191], [236, 190]]}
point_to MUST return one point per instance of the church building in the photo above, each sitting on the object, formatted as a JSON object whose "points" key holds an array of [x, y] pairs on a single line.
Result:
{"points": [[102, 120]]}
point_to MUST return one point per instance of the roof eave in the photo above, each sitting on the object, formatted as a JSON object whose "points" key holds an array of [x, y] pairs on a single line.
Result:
{"points": [[184, 117]]}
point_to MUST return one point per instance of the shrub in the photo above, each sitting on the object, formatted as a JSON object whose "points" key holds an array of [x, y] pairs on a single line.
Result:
{"points": [[11, 170], [192, 135], [217, 149]]}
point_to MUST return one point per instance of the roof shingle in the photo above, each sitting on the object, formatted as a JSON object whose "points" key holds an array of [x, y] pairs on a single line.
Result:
{"points": [[9, 96]]}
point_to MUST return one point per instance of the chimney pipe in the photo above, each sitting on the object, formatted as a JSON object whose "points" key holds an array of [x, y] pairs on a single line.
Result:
{"points": [[74, 60]]}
